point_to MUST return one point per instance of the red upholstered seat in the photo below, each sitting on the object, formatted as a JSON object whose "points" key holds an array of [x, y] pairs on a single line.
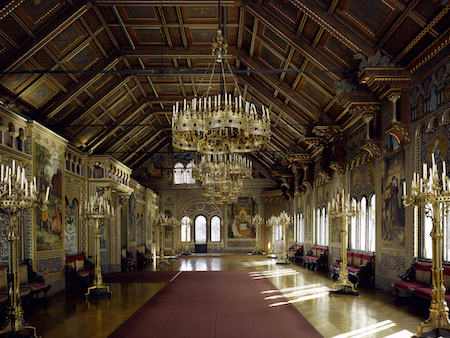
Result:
{"points": [[425, 291], [410, 286], [336, 266], [314, 258], [353, 269], [90, 270]]}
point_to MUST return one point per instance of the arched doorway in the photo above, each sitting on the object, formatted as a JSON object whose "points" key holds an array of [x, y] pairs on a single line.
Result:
{"points": [[200, 234]]}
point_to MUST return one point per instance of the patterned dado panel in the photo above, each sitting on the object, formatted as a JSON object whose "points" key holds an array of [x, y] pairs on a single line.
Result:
{"points": [[49, 267], [392, 265]]}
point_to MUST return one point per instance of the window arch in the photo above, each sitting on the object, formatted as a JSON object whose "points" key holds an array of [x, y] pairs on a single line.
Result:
{"points": [[178, 173], [188, 173], [216, 229], [362, 230], [185, 229], [200, 228], [322, 226]]}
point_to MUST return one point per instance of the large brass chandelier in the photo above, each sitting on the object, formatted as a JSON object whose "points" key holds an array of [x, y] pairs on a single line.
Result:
{"points": [[220, 123], [221, 176]]}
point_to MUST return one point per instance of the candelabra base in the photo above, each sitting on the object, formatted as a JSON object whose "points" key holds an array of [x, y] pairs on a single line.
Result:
{"points": [[16, 327], [346, 288], [344, 291], [174, 257], [283, 261], [435, 333], [98, 290], [272, 256], [163, 263], [186, 253], [257, 252]]}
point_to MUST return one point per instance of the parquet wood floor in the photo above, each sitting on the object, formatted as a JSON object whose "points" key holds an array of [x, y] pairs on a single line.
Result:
{"points": [[372, 312]]}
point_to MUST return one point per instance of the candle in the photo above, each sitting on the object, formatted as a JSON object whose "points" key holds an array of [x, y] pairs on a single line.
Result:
{"points": [[424, 171], [444, 168], [3, 170], [46, 195], [26, 188], [443, 181], [14, 167], [404, 188], [9, 181]]}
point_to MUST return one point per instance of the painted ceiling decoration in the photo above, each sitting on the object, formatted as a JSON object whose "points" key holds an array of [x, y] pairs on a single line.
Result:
{"points": [[106, 73]]}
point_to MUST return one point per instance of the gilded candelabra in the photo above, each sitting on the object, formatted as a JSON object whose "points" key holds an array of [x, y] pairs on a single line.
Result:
{"points": [[96, 209], [271, 223], [173, 223], [257, 221], [16, 196], [162, 221], [433, 193], [342, 209], [285, 220], [186, 251]]}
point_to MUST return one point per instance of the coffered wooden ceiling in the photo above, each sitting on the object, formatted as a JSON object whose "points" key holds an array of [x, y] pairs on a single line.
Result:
{"points": [[105, 74]]}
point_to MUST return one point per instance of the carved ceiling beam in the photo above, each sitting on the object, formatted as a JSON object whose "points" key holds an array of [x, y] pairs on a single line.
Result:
{"points": [[167, 3], [124, 118], [129, 133], [159, 146], [384, 80], [134, 152], [259, 88], [194, 52], [32, 46], [334, 27], [328, 132], [304, 105], [80, 113], [85, 81], [277, 27], [397, 23]]}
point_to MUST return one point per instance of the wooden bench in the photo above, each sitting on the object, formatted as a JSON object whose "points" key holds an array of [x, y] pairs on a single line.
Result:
{"points": [[316, 257], [31, 284], [360, 267], [417, 281], [143, 256], [295, 252], [79, 272], [128, 261]]}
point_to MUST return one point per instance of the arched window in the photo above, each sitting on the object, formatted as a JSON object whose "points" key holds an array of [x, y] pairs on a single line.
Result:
{"points": [[178, 173], [301, 228], [322, 226], [200, 228], [353, 226], [185, 229], [427, 251], [215, 229], [372, 224], [188, 173], [363, 223]]}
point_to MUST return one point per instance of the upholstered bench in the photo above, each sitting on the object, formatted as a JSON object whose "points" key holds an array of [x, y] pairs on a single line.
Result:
{"points": [[143, 256], [417, 281], [360, 267], [316, 257], [28, 279], [128, 261], [295, 252], [79, 272]]}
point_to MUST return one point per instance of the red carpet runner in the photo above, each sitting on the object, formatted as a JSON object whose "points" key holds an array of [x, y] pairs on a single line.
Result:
{"points": [[139, 277], [223, 304]]}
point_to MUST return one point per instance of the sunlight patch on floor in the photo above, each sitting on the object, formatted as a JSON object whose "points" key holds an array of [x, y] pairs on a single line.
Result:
{"points": [[367, 330], [295, 288], [400, 334]]}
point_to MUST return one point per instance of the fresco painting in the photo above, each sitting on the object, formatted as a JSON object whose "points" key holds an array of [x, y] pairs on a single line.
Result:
{"points": [[392, 209], [240, 218], [48, 172]]}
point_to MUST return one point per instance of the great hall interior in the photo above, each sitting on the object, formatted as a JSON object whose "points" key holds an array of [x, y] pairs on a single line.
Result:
{"points": [[147, 143]]}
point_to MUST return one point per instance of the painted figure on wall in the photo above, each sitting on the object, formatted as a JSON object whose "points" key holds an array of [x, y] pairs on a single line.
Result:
{"points": [[370, 174], [132, 219], [49, 222], [420, 106], [392, 209], [447, 88], [438, 147], [71, 227], [240, 218]]}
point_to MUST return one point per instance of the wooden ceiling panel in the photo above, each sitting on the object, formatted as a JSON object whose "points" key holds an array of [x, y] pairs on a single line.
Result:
{"points": [[35, 14], [310, 31], [15, 83], [407, 30], [285, 10], [105, 42], [92, 20], [12, 31], [339, 51]]}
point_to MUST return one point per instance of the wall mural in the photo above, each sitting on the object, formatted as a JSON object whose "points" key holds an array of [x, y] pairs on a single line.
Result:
{"points": [[308, 228], [71, 227], [392, 209], [336, 223], [132, 219], [240, 218], [4, 226], [49, 222]]}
